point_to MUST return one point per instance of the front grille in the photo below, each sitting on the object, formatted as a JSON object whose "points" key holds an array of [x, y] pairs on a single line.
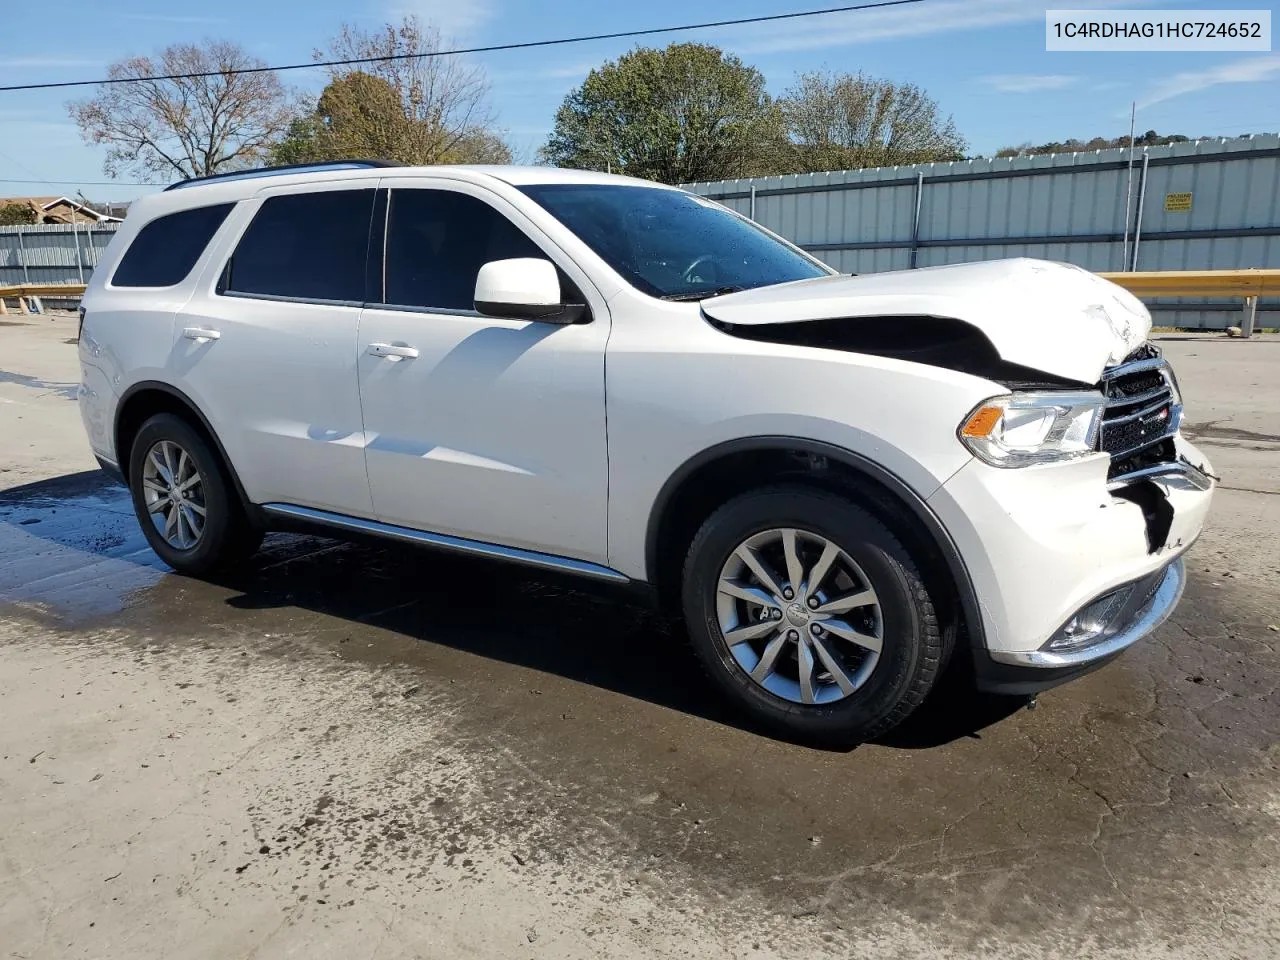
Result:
{"points": [[1141, 414]]}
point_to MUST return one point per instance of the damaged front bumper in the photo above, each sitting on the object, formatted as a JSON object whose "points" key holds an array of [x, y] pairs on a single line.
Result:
{"points": [[1027, 672], [1046, 546]]}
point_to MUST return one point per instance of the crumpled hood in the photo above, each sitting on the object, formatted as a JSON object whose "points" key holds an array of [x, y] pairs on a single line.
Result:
{"points": [[1053, 317]]}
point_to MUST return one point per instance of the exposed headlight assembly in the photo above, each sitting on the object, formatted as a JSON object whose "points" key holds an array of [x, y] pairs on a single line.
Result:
{"points": [[1029, 428]]}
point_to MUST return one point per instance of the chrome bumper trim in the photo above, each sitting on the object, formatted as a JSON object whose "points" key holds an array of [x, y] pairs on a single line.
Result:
{"points": [[1180, 469], [1155, 613]]}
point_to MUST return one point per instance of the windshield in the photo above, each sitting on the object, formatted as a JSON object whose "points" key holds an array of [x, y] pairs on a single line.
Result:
{"points": [[672, 244]]}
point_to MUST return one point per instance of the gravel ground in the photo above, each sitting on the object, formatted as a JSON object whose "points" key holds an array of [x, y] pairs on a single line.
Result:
{"points": [[353, 751]]}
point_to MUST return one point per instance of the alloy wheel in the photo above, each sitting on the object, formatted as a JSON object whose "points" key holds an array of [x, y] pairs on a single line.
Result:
{"points": [[173, 491], [799, 616]]}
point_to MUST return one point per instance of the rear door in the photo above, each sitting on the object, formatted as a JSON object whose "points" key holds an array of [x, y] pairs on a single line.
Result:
{"points": [[267, 347], [485, 428]]}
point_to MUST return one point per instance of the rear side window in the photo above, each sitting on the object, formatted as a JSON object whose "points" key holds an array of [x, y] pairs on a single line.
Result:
{"points": [[304, 246], [438, 240], [165, 250]]}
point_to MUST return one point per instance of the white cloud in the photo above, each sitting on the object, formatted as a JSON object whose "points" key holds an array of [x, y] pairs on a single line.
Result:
{"points": [[1250, 70], [171, 18], [454, 18], [35, 62], [569, 71], [534, 81], [896, 23], [47, 133], [1029, 82]]}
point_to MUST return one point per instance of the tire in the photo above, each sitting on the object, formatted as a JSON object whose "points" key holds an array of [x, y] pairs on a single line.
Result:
{"points": [[886, 685], [225, 534]]}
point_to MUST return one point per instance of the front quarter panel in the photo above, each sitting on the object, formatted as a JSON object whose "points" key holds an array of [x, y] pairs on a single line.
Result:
{"points": [[677, 387]]}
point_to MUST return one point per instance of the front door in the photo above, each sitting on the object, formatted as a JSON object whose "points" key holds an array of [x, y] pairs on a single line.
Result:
{"points": [[478, 427]]}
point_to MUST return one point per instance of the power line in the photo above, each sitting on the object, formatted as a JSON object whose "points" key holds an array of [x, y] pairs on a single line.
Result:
{"points": [[35, 178], [493, 48], [21, 166], [85, 183]]}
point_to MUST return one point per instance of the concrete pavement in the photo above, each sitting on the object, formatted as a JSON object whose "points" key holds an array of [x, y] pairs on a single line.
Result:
{"points": [[354, 751]]}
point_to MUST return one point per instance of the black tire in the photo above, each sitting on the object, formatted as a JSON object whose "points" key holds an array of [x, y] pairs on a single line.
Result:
{"points": [[912, 652], [227, 536]]}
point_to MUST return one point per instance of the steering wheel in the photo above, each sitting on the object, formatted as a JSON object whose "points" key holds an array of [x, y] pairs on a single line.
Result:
{"points": [[691, 270]]}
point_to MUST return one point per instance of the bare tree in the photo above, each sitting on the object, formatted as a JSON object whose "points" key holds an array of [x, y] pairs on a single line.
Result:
{"points": [[165, 129], [444, 101], [853, 120]]}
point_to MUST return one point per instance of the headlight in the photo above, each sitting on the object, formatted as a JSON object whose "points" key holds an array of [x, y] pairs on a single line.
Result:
{"points": [[1028, 428]]}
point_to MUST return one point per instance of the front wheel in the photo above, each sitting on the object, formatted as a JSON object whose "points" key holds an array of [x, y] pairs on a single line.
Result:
{"points": [[184, 499], [810, 615]]}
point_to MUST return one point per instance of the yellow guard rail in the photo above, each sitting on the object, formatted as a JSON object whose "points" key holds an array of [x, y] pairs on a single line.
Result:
{"points": [[1249, 284], [24, 292]]}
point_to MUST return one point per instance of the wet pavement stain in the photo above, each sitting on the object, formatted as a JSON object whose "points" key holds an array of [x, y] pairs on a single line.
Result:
{"points": [[1099, 814], [1214, 433], [68, 391], [72, 550]]}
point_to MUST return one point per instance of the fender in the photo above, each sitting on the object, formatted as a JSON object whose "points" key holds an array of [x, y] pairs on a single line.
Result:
{"points": [[162, 387], [919, 508]]}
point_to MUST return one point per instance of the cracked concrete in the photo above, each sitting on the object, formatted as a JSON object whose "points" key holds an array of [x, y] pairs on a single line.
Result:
{"points": [[318, 756]]}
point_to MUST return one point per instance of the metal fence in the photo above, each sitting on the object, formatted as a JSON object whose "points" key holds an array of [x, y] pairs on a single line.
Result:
{"points": [[1205, 205], [1211, 204], [52, 253]]}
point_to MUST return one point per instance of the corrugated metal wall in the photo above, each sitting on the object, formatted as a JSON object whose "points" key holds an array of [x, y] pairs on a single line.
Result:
{"points": [[52, 253], [1059, 207]]}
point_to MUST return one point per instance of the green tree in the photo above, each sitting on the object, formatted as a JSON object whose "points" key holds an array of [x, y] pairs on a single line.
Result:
{"points": [[417, 109], [689, 112], [1149, 139], [357, 115], [847, 121], [16, 214]]}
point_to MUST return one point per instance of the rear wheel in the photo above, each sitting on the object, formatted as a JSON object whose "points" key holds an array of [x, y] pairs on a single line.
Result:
{"points": [[184, 499], [809, 614]]}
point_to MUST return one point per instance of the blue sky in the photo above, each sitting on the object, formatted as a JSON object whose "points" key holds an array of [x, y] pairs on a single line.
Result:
{"points": [[983, 60]]}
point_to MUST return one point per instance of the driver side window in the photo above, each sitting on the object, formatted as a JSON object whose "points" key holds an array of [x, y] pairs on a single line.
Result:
{"points": [[437, 241]]}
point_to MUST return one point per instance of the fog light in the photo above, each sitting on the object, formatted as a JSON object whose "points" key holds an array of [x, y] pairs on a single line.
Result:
{"points": [[1092, 623]]}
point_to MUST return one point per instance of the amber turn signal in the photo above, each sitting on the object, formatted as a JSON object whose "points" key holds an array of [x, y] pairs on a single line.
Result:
{"points": [[982, 422]]}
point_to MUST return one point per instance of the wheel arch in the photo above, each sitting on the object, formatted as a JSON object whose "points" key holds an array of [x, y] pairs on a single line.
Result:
{"points": [[149, 397], [691, 493]]}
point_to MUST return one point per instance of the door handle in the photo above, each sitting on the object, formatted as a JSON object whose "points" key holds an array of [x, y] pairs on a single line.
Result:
{"points": [[392, 351], [201, 334]]}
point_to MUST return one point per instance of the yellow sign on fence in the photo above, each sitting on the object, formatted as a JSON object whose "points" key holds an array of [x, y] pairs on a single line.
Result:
{"points": [[1177, 203]]}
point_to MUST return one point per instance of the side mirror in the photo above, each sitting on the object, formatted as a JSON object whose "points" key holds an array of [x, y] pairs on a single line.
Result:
{"points": [[525, 288]]}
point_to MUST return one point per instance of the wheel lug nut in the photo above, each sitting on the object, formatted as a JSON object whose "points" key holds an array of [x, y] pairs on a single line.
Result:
{"points": [[777, 614], [792, 635], [816, 630], [787, 593], [813, 601]]}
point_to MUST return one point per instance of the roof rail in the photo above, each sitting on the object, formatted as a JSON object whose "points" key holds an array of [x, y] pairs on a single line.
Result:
{"points": [[284, 168]]}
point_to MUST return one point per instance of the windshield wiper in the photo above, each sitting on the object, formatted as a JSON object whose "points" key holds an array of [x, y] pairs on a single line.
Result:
{"points": [[701, 294]]}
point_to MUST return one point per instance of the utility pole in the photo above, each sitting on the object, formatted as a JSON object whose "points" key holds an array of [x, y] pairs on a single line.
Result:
{"points": [[1128, 192]]}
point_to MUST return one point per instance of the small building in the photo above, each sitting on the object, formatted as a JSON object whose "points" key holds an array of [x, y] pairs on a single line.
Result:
{"points": [[60, 210]]}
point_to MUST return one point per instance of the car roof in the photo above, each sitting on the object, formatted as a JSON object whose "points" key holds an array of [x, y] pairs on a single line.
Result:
{"points": [[251, 181], [521, 176], [232, 188]]}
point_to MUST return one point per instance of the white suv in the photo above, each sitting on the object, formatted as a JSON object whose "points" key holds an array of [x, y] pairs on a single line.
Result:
{"points": [[838, 479]]}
